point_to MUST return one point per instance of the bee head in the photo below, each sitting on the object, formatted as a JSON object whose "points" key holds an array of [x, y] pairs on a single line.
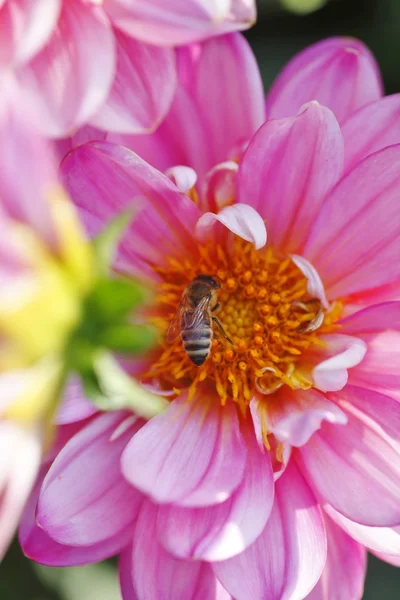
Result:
{"points": [[210, 280]]}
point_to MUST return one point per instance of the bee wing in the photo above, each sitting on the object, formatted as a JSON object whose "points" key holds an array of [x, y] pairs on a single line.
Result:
{"points": [[175, 326], [194, 318]]}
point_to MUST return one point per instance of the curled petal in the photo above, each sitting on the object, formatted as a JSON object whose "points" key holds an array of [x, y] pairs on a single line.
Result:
{"points": [[340, 73], [355, 240], [295, 415], [286, 560], [344, 352], [183, 177], [346, 464], [241, 219], [142, 91], [344, 572], [191, 455], [84, 484], [280, 452], [70, 78], [221, 531], [177, 23], [288, 168], [315, 287], [219, 188]]}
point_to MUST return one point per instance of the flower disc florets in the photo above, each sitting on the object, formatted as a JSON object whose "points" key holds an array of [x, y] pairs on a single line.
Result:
{"points": [[265, 309]]}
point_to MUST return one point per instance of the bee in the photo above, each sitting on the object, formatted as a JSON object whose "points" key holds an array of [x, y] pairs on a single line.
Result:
{"points": [[193, 319]]}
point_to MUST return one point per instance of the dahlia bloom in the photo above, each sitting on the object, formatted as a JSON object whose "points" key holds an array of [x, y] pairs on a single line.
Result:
{"points": [[277, 461], [108, 63], [45, 270]]}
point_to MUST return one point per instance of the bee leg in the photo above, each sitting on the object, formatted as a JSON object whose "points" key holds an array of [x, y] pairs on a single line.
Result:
{"points": [[216, 307], [218, 323]]}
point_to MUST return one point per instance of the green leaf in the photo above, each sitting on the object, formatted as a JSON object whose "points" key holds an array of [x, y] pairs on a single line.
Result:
{"points": [[105, 244], [131, 339], [114, 298], [110, 388]]}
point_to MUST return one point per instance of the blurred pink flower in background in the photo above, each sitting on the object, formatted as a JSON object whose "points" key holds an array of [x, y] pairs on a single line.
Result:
{"points": [[106, 63], [45, 270], [284, 466]]}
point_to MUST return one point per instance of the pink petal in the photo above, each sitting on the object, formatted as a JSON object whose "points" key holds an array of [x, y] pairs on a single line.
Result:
{"points": [[200, 131], [343, 352], [104, 179], [20, 455], [192, 454], [285, 450], [180, 22], [373, 319], [392, 560], [360, 460], [25, 26], [183, 177], [38, 546], [151, 573], [380, 369], [295, 415], [355, 240], [74, 406], [340, 73], [219, 532], [241, 219], [287, 169], [219, 186], [371, 128], [62, 436], [226, 68], [26, 199], [125, 575], [315, 287], [384, 293], [345, 569], [68, 81], [84, 486], [143, 88], [181, 138], [379, 327], [378, 539], [286, 561]]}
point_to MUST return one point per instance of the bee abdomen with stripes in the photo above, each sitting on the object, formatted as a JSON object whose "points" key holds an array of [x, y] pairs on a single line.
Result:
{"points": [[197, 343]]}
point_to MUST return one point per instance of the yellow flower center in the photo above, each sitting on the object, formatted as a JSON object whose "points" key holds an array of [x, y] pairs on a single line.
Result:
{"points": [[265, 309]]}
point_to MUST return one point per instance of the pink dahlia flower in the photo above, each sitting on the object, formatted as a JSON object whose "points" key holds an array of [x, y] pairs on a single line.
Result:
{"points": [[277, 462], [106, 63]]}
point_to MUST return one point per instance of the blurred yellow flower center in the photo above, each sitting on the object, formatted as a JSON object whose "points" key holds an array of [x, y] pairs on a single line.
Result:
{"points": [[41, 306], [265, 309]]}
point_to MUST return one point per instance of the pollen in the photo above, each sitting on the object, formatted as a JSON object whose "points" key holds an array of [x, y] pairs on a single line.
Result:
{"points": [[268, 320]]}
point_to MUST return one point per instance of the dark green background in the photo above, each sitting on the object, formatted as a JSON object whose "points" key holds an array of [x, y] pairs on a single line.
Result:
{"points": [[276, 37]]}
